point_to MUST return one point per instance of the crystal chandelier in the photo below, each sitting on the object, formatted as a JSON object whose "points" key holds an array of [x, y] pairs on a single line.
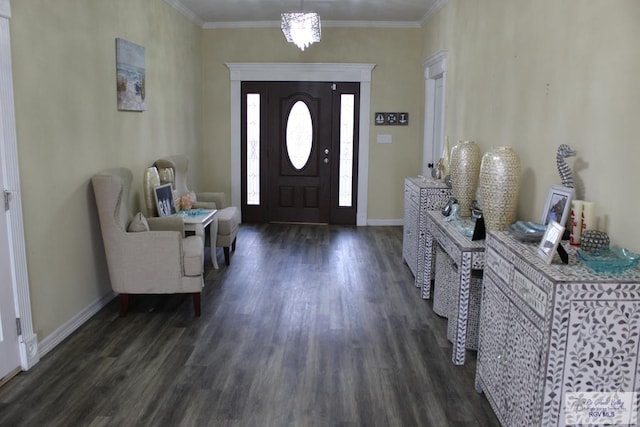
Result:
{"points": [[301, 28]]}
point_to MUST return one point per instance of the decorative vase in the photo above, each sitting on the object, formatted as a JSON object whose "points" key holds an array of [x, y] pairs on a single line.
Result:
{"points": [[464, 169], [499, 187], [446, 160], [150, 181]]}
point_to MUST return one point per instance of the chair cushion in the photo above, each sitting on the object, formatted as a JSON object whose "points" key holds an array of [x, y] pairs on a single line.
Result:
{"points": [[193, 255], [138, 223], [228, 220]]}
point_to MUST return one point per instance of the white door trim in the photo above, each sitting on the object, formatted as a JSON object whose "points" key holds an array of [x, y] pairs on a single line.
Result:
{"points": [[435, 67], [327, 72], [28, 340]]}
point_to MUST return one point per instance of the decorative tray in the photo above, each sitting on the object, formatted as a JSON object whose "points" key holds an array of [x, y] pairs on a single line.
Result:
{"points": [[527, 231], [192, 212], [611, 260], [466, 226]]}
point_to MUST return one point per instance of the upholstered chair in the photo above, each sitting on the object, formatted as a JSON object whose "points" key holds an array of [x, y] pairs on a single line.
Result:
{"points": [[156, 258], [228, 216]]}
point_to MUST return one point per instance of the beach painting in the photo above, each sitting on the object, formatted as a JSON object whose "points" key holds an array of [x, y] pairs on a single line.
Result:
{"points": [[130, 75]]}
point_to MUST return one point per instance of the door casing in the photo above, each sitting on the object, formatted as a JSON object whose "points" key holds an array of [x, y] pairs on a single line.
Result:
{"points": [[347, 72]]}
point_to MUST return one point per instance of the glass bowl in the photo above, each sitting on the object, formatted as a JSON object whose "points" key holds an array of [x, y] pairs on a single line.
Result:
{"points": [[610, 260]]}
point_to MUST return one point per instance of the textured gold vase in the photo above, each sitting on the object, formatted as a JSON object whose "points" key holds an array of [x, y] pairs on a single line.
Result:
{"points": [[464, 170], [499, 187]]}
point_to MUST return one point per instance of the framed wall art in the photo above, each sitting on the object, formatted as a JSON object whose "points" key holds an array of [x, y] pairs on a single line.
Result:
{"points": [[130, 76]]}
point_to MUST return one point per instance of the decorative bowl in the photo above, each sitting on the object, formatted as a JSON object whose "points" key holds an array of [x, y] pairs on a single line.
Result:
{"points": [[608, 260], [527, 231]]}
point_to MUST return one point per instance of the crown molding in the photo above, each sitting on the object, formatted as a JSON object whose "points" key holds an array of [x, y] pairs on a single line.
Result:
{"points": [[177, 5], [433, 10], [325, 24]]}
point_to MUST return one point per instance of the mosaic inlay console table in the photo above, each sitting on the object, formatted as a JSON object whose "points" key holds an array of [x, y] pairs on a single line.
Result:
{"points": [[467, 255], [549, 330], [419, 197]]}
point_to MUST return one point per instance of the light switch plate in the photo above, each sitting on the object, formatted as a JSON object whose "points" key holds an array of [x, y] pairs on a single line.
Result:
{"points": [[385, 139]]}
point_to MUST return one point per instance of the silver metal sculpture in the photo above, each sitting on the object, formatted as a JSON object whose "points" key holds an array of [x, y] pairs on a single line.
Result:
{"points": [[566, 174]]}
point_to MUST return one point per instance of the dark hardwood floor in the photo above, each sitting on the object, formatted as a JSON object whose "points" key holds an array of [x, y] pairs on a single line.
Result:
{"points": [[308, 326]]}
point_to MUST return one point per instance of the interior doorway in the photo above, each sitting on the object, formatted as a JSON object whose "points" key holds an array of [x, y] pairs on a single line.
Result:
{"points": [[300, 152], [435, 75]]}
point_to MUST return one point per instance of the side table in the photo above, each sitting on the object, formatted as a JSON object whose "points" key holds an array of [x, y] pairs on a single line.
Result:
{"points": [[196, 221]]}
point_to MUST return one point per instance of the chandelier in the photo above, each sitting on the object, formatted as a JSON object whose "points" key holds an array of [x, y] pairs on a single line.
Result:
{"points": [[301, 28]]}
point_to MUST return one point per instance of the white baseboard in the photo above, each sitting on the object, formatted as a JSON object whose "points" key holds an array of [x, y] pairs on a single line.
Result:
{"points": [[385, 222], [57, 336]]}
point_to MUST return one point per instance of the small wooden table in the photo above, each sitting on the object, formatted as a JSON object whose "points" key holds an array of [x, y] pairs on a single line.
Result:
{"points": [[196, 221]]}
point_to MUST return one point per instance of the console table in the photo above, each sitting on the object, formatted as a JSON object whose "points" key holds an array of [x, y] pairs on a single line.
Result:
{"points": [[419, 197], [467, 255], [549, 330]]}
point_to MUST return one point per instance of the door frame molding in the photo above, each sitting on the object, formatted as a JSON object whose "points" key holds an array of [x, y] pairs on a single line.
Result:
{"points": [[27, 340], [322, 72], [435, 67]]}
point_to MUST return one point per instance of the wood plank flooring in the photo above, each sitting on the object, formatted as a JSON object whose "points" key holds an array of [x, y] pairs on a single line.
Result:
{"points": [[308, 326]]}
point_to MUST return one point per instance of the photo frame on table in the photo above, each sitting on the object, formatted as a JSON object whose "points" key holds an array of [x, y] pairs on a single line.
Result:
{"points": [[558, 205], [164, 200], [550, 241]]}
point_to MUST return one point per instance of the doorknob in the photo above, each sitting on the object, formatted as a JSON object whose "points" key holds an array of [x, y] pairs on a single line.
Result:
{"points": [[326, 151], [326, 160]]}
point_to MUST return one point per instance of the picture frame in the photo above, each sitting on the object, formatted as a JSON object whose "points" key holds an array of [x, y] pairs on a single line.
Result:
{"points": [[550, 241], [130, 76], [558, 205], [164, 200]]}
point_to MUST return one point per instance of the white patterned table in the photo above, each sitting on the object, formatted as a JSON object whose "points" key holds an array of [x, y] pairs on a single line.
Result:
{"points": [[550, 332], [468, 255]]}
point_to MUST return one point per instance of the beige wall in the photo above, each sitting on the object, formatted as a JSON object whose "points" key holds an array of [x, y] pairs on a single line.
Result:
{"points": [[68, 128], [397, 85], [538, 74]]}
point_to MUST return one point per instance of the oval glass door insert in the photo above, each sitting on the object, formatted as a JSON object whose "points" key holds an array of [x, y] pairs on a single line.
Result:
{"points": [[299, 135]]}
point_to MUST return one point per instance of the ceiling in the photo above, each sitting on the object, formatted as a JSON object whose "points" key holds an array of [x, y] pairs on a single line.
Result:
{"points": [[243, 13]]}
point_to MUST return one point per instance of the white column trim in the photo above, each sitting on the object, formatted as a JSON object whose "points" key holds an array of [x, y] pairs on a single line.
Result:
{"points": [[5, 9], [28, 340], [361, 73], [435, 67]]}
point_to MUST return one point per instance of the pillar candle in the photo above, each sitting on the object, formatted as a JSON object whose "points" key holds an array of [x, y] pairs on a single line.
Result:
{"points": [[588, 216], [576, 222]]}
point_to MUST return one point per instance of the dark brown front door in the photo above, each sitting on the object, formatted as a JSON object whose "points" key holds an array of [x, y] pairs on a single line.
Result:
{"points": [[299, 145], [300, 156]]}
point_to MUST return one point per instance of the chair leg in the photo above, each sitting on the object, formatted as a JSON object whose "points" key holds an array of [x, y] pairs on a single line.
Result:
{"points": [[124, 304], [227, 257], [233, 245], [196, 303]]}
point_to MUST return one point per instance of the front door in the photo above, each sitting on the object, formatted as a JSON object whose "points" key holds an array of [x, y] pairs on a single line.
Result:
{"points": [[299, 148], [299, 140]]}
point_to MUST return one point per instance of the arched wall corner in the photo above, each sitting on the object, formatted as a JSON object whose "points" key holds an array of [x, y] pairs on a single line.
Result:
{"points": [[361, 73]]}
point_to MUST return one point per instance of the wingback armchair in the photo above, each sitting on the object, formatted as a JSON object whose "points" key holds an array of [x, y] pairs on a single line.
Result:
{"points": [[158, 261], [228, 216]]}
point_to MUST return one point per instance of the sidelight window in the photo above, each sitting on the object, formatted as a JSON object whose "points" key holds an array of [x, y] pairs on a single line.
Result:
{"points": [[346, 150], [253, 148]]}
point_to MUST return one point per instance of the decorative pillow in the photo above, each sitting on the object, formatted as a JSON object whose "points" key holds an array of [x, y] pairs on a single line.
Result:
{"points": [[138, 223], [185, 202]]}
